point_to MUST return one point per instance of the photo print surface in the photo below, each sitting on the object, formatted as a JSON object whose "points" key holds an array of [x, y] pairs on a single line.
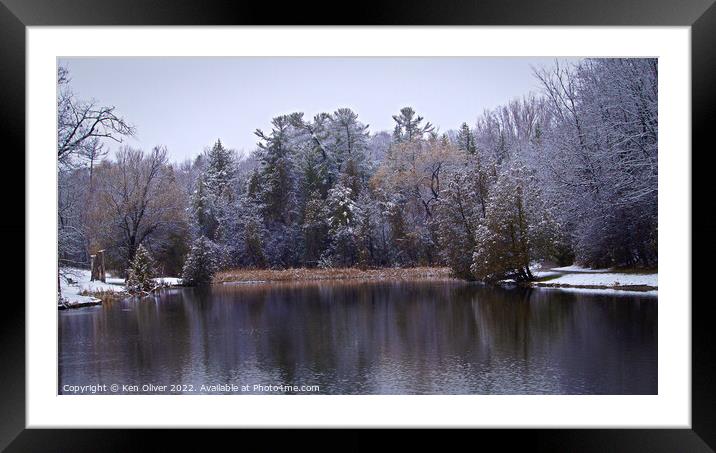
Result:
{"points": [[329, 225]]}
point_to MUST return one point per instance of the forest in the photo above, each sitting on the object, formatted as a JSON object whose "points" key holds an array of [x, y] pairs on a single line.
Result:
{"points": [[567, 175]]}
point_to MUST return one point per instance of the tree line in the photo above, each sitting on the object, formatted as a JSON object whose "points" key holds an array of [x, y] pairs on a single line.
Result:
{"points": [[569, 174]]}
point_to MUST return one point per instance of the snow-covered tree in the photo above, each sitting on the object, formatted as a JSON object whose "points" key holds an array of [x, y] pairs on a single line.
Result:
{"points": [[80, 124], [141, 272], [214, 191], [277, 179], [465, 139], [315, 228], [341, 213], [517, 229], [220, 170], [409, 127], [370, 248], [570, 173], [378, 145], [410, 179], [601, 156], [457, 214], [82, 129], [203, 210], [348, 143], [245, 233], [137, 201], [201, 263], [278, 189]]}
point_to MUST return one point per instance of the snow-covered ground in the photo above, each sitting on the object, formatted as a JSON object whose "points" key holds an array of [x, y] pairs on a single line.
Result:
{"points": [[582, 279], [543, 274], [73, 282], [576, 268], [605, 279], [168, 281], [71, 299], [81, 282], [162, 281]]}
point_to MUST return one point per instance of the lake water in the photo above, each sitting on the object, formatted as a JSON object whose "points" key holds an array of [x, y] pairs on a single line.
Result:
{"points": [[364, 338]]}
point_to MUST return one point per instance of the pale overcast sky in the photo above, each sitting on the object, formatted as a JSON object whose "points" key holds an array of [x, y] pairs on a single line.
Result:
{"points": [[187, 103]]}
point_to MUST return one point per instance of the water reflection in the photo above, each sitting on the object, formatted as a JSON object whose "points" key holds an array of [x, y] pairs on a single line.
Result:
{"points": [[377, 338]]}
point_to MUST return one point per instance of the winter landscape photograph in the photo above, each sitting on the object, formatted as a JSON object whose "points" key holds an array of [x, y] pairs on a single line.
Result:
{"points": [[357, 225]]}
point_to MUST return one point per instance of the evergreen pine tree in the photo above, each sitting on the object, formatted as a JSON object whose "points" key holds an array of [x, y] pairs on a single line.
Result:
{"points": [[315, 228], [141, 271], [245, 233], [408, 126], [366, 217], [276, 175], [203, 210], [341, 212], [220, 170], [456, 215], [213, 192], [348, 143], [466, 139], [202, 262]]}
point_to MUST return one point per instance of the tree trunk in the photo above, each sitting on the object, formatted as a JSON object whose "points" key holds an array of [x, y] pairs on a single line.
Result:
{"points": [[528, 273], [98, 272]]}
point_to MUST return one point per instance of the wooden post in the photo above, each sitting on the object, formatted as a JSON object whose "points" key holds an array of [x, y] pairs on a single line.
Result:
{"points": [[102, 275], [93, 267], [98, 272]]}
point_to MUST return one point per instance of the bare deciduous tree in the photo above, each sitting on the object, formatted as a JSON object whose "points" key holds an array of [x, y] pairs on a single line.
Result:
{"points": [[137, 201], [81, 124], [81, 127]]}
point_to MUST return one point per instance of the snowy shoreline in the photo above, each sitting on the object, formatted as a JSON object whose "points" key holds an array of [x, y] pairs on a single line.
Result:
{"points": [[77, 290], [600, 281]]}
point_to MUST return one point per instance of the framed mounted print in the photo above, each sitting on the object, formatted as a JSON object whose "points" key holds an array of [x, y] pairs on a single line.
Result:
{"points": [[400, 224]]}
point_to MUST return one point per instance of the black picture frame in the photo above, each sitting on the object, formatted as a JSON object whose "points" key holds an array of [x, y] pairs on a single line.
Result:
{"points": [[700, 15]]}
